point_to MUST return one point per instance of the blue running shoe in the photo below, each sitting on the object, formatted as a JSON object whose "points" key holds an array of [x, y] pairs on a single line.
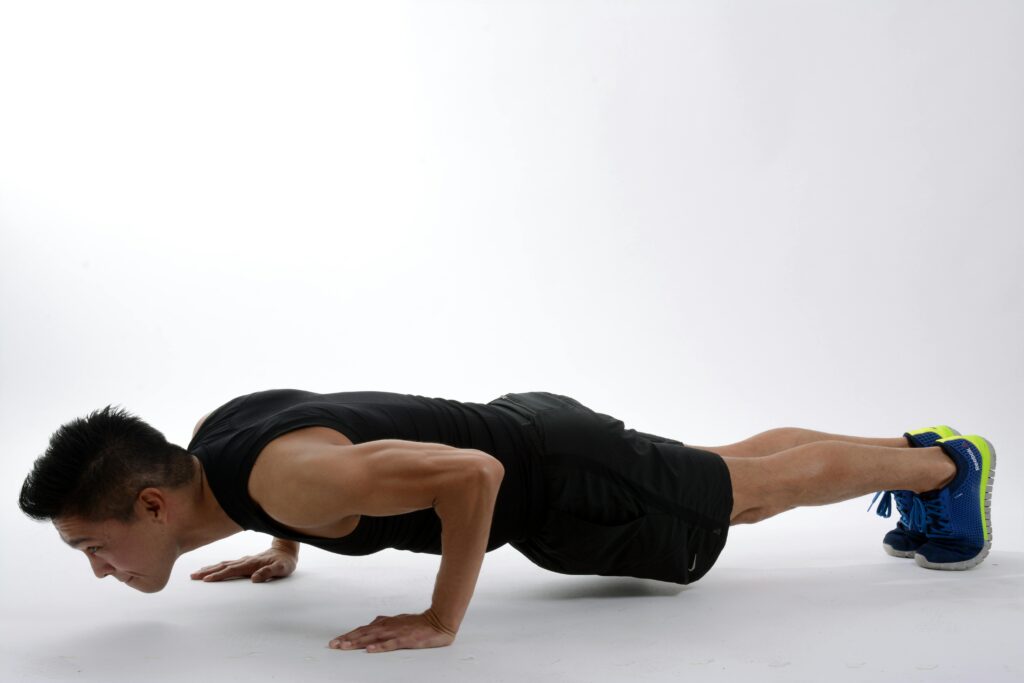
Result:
{"points": [[904, 540], [958, 517]]}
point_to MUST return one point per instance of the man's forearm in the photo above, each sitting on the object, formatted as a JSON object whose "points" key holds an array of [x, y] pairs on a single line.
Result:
{"points": [[466, 515], [286, 545]]}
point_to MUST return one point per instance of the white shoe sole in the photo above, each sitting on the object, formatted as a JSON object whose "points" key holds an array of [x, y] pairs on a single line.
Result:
{"points": [[898, 553]]}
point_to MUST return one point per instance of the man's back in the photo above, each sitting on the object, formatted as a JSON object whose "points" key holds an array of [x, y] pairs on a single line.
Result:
{"points": [[232, 436]]}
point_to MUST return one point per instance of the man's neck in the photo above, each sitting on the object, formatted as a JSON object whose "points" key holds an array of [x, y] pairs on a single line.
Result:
{"points": [[209, 522]]}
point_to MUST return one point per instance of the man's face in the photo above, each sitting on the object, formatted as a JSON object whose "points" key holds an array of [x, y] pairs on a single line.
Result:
{"points": [[140, 553]]}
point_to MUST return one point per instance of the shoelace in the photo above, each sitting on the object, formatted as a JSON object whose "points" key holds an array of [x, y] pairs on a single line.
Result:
{"points": [[917, 520], [885, 507], [932, 515]]}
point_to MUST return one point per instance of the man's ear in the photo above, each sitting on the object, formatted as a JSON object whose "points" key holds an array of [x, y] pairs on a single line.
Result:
{"points": [[151, 504]]}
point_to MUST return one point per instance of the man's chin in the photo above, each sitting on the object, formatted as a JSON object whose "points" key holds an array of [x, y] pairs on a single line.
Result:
{"points": [[142, 587]]}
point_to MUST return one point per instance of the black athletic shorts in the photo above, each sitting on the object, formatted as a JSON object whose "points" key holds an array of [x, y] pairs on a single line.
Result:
{"points": [[621, 502]]}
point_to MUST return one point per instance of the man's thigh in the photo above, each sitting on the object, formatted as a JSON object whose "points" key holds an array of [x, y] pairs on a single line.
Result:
{"points": [[658, 474]]}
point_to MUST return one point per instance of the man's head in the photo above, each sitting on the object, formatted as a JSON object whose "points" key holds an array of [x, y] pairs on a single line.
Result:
{"points": [[113, 487]]}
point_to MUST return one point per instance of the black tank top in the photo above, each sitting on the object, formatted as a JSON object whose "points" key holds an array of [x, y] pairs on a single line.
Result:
{"points": [[231, 437]]}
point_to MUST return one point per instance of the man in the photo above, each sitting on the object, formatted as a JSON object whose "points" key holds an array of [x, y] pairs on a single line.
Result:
{"points": [[572, 489]]}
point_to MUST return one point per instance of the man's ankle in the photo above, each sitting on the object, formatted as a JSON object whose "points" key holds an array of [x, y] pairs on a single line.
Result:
{"points": [[942, 470]]}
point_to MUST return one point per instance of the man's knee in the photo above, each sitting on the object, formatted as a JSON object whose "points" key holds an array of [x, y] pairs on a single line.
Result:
{"points": [[751, 516], [757, 494], [746, 493], [755, 515]]}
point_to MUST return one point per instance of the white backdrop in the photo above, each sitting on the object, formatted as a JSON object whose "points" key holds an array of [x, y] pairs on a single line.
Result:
{"points": [[707, 219]]}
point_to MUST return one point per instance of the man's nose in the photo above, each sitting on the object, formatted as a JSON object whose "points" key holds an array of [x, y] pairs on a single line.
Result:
{"points": [[100, 568]]}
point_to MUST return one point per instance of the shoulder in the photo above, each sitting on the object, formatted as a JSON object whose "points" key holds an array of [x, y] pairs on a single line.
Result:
{"points": [[200, 423]]}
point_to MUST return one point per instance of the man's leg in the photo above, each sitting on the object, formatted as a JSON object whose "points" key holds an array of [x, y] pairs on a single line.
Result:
{"points": [[783, 438], [823, 472]]}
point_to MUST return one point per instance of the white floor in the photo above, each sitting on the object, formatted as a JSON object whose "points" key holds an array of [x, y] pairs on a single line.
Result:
{"points": [[806, 596]]}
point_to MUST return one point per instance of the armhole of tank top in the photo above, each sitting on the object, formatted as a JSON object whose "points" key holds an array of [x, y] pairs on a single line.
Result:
{"points": [[286, 426], [252, 508]]}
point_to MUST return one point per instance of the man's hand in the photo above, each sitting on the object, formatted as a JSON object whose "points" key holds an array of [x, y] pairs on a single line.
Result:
{"points": [[269, 564], [406, 631]]}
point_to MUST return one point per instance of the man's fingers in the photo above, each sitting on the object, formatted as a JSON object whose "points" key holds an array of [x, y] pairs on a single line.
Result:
{"points": [[226, 564], [383, 645], [202, 570], [208, 568], [238, 568], [226, 573]]}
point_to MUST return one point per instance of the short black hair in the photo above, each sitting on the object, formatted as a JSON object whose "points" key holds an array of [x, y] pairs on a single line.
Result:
{"points": [[95, 467]]}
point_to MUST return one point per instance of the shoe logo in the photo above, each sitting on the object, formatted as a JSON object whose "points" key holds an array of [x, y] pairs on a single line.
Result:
{"points": [[970, 452], [694, 563], [958, 495]]}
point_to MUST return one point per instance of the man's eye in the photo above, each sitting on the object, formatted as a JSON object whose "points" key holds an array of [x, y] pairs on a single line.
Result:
{"points": [[91, 549]]}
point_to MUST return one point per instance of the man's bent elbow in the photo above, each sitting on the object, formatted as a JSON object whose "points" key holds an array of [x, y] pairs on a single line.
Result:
{"points": [[492, 466]]}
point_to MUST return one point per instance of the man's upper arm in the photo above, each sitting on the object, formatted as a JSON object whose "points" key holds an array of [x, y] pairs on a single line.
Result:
{"points": [[310, 482]]}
